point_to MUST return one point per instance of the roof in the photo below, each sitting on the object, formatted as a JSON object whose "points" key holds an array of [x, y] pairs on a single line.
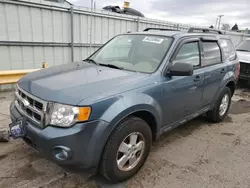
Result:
{"points": [[163, 33], [180, 34]]}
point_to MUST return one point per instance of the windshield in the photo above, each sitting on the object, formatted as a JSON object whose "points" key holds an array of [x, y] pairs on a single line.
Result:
{"points": [[244, 46], [140, 53]]}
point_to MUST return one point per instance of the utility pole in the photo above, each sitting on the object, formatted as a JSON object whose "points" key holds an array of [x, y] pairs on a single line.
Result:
{"points": [[220, 16], [216, 23]]}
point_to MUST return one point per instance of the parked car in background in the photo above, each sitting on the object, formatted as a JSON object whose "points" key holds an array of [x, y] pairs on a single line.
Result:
{"points": [[128, 11], [243, 52], [103, 113]]}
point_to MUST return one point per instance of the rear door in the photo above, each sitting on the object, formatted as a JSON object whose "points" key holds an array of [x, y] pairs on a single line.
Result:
{"points": [[215, 69]]}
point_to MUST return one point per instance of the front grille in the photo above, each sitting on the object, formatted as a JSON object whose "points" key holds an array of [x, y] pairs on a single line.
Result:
{"points": [[30, 106], [244, 68]]}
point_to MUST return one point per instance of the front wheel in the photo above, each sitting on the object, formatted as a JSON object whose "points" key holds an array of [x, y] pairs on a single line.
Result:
{"points": [[126, 150], [222, 106]]}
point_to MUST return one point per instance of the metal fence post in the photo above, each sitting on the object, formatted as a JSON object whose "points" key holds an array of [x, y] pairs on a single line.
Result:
{"points": [[138, 24], [72, 32], [90, 29], [178, 26]]}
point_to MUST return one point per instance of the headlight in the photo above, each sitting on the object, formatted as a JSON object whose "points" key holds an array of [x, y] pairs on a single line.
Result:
{"points": [[65, 115]]}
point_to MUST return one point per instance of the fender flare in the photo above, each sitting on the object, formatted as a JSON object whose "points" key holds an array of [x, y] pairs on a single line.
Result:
{"points": [[126, 106], [224, 85]]}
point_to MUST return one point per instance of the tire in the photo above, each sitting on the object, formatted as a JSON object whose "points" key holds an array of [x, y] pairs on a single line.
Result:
{"points": [[215, 115], [109, 167]]}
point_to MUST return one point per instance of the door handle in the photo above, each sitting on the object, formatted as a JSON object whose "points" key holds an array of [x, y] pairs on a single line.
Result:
{"points": [[222, 70], [197, 78]]}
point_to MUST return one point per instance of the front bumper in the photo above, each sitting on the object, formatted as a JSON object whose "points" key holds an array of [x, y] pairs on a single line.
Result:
{"points": [[85, 140], [244, 71], [244, 77]]}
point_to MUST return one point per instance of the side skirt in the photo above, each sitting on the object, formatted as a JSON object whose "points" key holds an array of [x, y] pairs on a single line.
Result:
{"points": [[176, 124]]}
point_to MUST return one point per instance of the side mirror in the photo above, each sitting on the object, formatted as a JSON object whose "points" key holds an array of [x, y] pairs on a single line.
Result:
{"points": [[181, 69]]}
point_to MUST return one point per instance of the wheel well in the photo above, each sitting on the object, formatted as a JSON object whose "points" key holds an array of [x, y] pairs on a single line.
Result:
{"points": [[150, 120], [232, 86]]}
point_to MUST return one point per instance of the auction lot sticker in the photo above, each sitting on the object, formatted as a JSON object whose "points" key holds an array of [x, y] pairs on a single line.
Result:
{"points": [[153, 40]]}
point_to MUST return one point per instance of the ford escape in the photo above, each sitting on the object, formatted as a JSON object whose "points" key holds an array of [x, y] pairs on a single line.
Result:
{"points": [[103, 113]]}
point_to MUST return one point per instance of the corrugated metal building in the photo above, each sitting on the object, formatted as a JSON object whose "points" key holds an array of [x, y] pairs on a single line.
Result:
{"points": [[34, 31]]}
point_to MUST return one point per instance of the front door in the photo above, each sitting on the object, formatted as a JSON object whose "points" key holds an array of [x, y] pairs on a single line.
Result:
{"points": [[183, 94]]}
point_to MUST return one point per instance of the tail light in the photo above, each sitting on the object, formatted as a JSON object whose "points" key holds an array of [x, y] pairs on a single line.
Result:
{"points": [[238, 70]]}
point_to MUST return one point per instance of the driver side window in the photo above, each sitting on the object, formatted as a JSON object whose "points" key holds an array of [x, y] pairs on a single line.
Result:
{"points": [[189, 53]]}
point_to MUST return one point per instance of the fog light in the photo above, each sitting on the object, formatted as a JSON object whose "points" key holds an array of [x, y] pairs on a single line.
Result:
{"points": [[62, 153]]}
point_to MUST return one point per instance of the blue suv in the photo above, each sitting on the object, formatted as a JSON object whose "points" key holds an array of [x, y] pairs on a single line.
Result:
{"points": [[103, 113]]}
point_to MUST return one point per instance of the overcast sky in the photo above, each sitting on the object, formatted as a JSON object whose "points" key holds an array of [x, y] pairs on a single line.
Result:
{"points": [[197, 12]]}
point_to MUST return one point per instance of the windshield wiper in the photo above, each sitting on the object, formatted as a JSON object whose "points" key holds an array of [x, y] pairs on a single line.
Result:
{"points": [[111, 66], [102, 64], [242, 50], [91, 61]]}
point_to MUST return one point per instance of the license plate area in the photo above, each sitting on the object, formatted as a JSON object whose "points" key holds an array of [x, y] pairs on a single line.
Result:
{"points": [[18, 128]]}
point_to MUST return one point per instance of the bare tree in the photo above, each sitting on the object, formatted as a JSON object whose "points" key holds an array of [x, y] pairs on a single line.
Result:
{"points": [[225, 26], [235, 27]]}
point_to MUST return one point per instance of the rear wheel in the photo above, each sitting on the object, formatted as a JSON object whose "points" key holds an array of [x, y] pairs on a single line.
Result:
{"points": [[126, 150], [222, 106]]}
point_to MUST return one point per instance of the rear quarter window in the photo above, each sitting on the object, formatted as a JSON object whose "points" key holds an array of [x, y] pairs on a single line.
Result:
{"points": [[228, 49]]}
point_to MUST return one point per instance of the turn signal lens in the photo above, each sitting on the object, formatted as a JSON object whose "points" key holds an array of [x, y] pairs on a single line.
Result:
{"points": [[84, 113]]}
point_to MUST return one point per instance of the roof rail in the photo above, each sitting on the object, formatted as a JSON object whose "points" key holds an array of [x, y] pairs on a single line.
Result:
{"points": [[160, 29], [203, 30]]}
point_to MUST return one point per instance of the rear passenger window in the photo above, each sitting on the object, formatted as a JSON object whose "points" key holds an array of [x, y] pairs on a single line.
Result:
{"points": [[189, 53], [212, 53], [228, 48]]}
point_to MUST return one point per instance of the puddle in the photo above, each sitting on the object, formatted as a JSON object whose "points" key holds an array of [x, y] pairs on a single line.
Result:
{"points": [[240, 107]]}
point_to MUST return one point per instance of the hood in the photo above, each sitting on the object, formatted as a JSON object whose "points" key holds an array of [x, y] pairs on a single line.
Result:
{"points": [[73, 82], [244, 56]]}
